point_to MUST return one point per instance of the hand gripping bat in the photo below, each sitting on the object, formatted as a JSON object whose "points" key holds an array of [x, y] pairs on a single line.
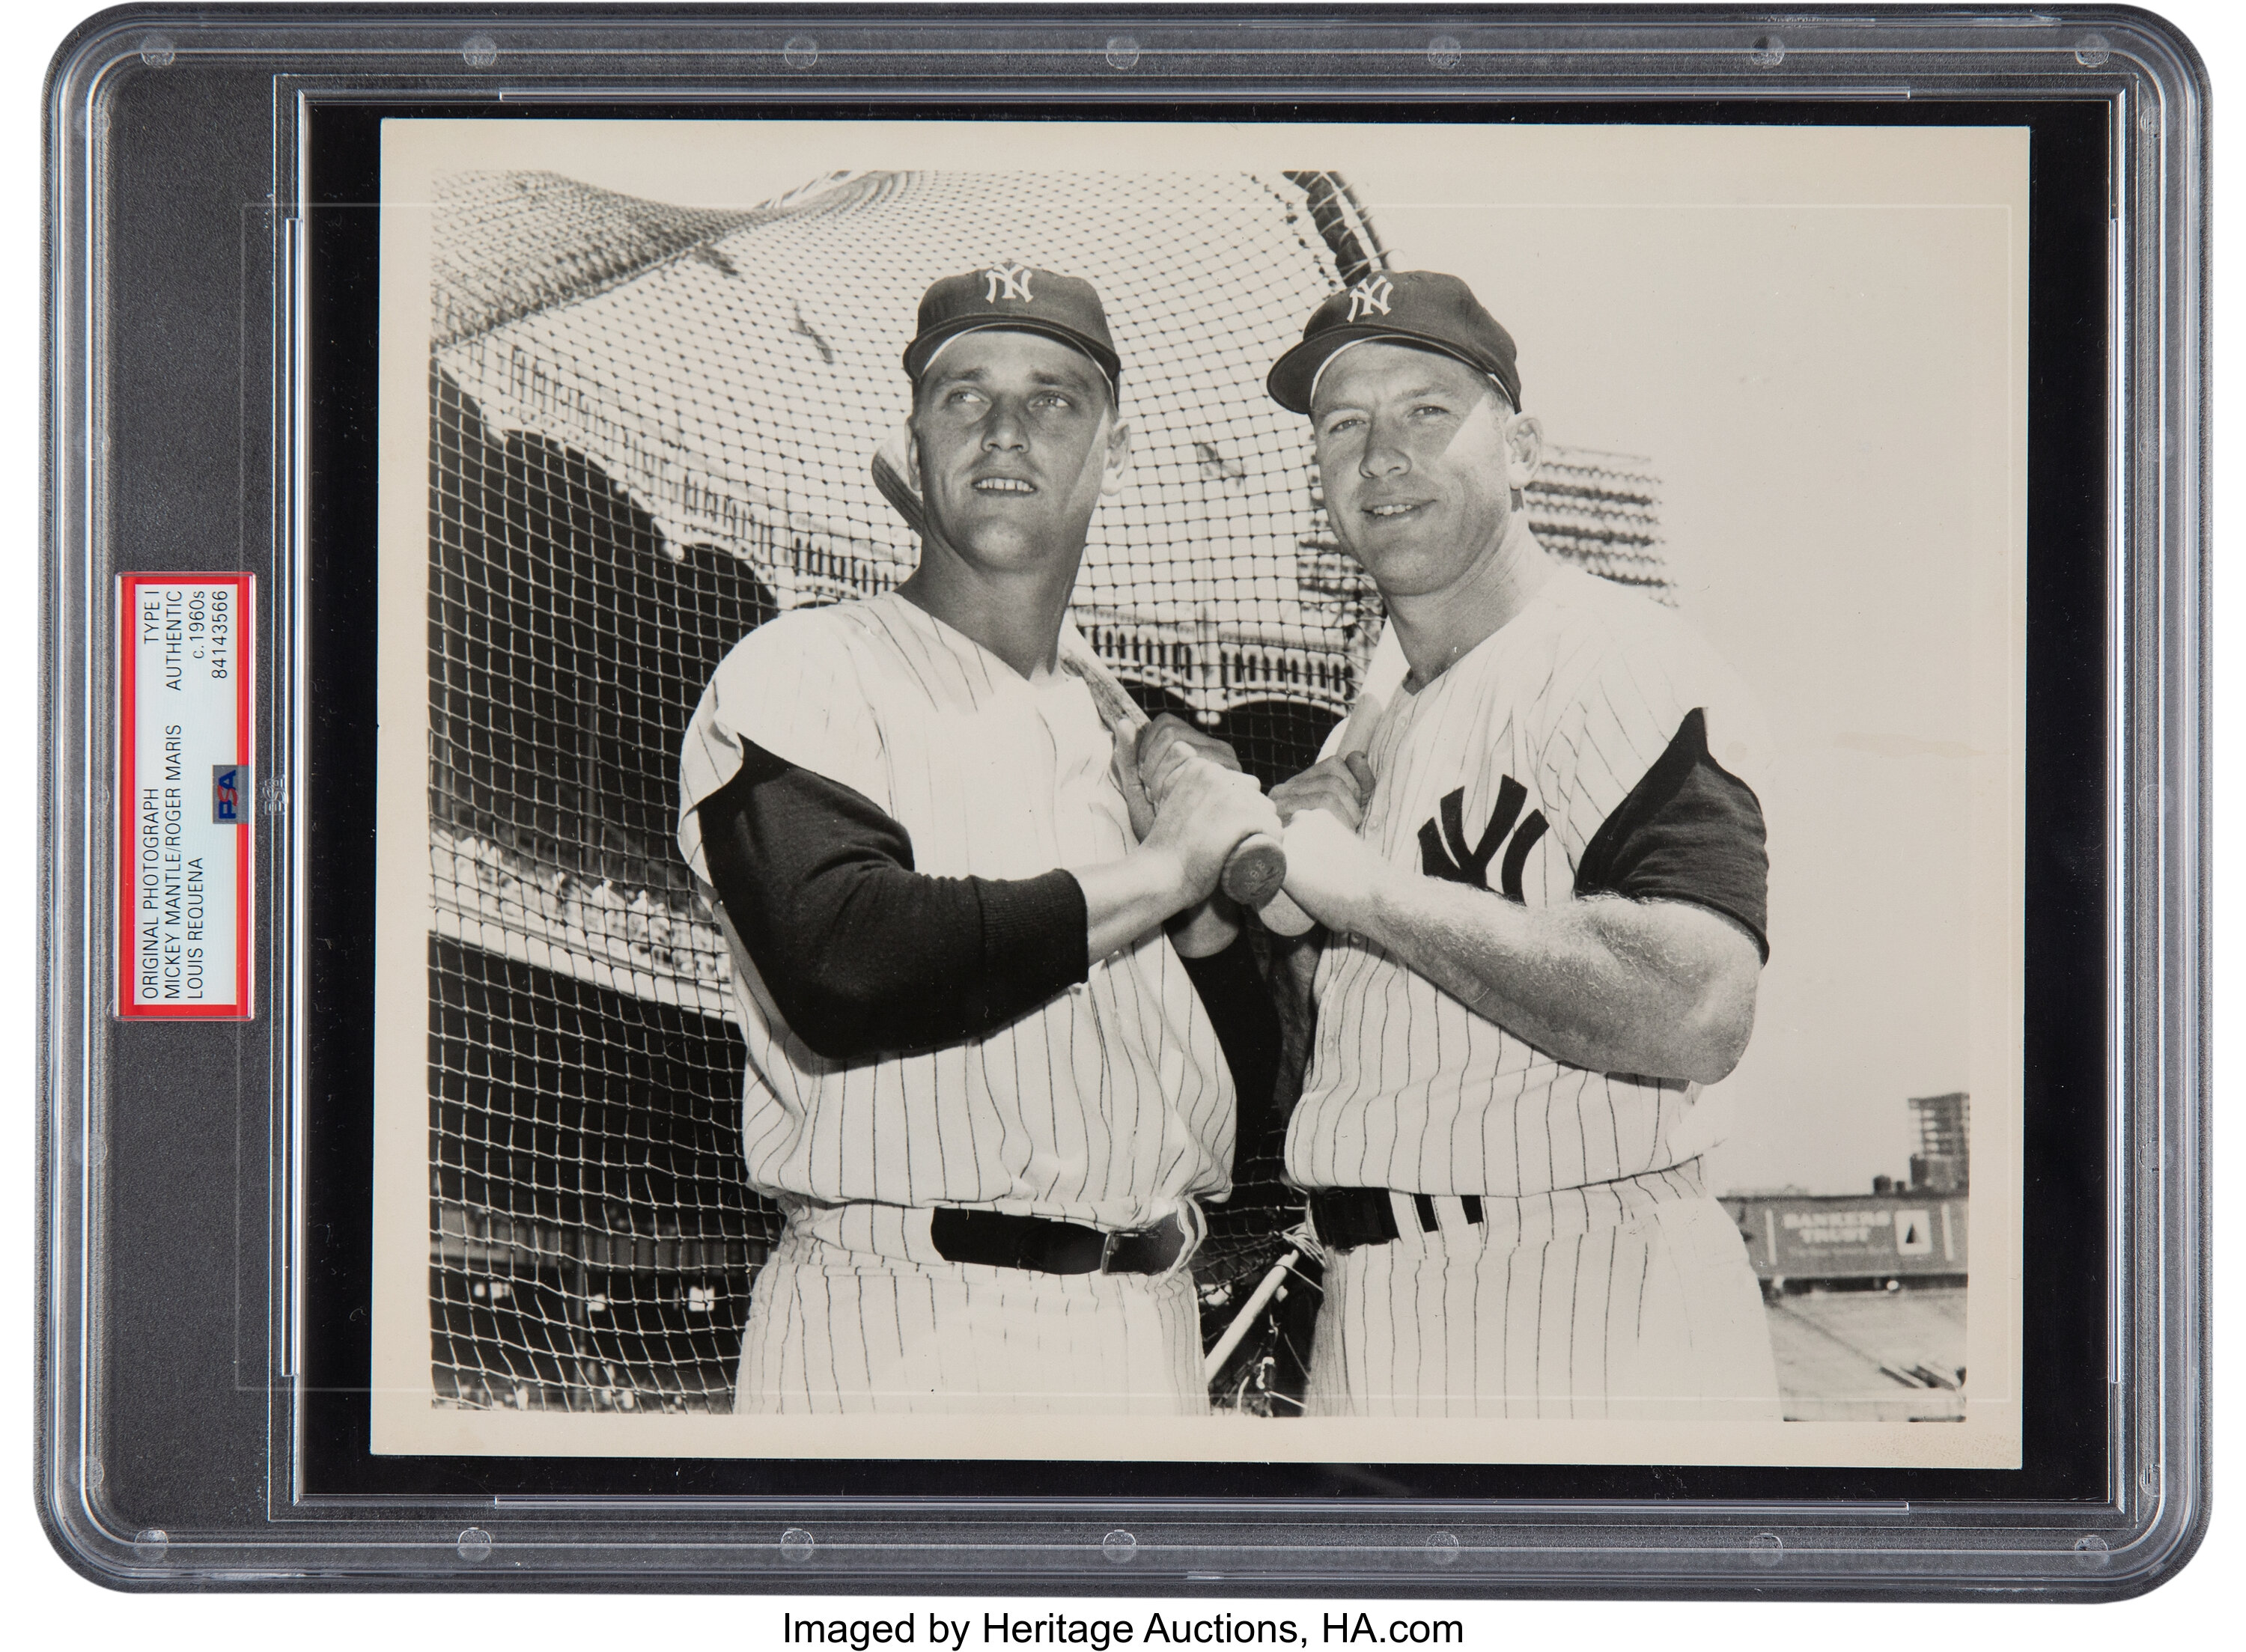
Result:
{"points": [[1384, 673], [1257, 865]]}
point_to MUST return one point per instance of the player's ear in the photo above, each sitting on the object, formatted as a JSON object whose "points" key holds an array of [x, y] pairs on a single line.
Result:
{"points": [[1524, 449], [1117, 464]]}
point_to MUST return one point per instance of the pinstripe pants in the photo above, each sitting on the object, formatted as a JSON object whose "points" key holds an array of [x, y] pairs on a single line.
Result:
{"points": [[841, 1327], [1657, 1316]]}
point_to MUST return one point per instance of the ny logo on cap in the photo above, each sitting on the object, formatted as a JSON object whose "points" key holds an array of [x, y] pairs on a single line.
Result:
{"points": [[1013, 281], [1368, 295]]}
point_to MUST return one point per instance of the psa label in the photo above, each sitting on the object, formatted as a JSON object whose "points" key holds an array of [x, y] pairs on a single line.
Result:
{"points": [[185, 884]]}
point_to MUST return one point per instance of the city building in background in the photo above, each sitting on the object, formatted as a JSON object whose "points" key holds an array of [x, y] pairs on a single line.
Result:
{"points": [[1942, 1160]]}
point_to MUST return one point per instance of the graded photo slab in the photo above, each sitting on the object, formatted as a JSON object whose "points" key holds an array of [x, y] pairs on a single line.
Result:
{"points": [[835, 577]]}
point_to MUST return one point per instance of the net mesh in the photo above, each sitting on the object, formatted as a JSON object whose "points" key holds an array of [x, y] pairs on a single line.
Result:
{"points": [[650, 433]]}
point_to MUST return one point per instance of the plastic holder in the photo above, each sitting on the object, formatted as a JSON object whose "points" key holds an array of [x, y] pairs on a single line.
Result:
{"points": [[435, 397]]}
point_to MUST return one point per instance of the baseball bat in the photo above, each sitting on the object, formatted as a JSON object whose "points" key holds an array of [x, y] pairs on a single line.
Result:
{"points": [[891, 466], [1255, 870], [1251, 1311], [1283, 917], [1257, 866]]}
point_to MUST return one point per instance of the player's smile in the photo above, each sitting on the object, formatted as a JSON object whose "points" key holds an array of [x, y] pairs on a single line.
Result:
{"points": [[1417, 453]]}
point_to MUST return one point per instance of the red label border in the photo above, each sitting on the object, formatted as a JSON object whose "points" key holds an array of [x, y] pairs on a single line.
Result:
{"points": [[244, 1008]]}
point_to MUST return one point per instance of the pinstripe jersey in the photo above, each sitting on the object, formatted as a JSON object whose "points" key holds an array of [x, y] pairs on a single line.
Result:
{"points": [[1505, 766], [1109, 1103]]}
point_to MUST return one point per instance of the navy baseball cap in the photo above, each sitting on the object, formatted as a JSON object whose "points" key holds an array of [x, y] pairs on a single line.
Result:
{"points": [[1019, 299], [1404, 307]]}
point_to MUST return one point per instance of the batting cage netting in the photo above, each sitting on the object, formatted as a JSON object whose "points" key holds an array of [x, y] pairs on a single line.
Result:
{"points": [[651, 430]]}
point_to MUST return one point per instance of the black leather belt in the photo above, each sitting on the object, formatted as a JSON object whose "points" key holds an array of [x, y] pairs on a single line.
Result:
{"points": [[1345, 1217], [993, 1238]]}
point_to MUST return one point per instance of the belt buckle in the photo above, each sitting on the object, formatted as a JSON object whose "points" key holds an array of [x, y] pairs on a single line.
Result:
{"points": [[1109, 1241]]}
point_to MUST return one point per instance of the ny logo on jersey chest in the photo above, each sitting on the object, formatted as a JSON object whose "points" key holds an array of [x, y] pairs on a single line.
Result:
{"points": [[1444, 853]]}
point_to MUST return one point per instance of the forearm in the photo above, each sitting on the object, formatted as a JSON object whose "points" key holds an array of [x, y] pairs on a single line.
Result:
{"points": [[1655, 987], [877, 958], [1125, 898]]}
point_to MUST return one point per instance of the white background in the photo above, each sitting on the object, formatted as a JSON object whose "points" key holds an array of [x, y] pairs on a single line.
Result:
{"points": [[49, 1606]]}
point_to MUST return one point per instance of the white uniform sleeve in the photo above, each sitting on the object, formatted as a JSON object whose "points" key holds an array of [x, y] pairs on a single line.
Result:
{"points": [[793, 687], [1619, 702]]}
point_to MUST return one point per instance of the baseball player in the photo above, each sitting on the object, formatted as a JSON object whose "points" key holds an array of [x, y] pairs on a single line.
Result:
{"points": [[983, 1082], [1542, 871]]}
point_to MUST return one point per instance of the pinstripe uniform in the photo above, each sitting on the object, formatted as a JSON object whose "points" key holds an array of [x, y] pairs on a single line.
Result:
{"points": [[1556, 1254], [1110, 1104]]}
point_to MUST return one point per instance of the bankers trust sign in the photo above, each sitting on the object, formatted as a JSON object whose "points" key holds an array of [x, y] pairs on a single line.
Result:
{"points": [[1861, 1236]]}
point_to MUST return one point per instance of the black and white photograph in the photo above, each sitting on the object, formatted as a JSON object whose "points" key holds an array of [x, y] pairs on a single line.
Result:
{"points": [[1198, 792]]}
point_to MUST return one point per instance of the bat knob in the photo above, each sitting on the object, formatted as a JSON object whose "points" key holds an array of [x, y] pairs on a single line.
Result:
{"points": [[1255, 870]]}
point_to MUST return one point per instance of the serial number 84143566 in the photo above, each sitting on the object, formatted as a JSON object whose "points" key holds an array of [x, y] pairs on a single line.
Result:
{"points": [[210, 626]]}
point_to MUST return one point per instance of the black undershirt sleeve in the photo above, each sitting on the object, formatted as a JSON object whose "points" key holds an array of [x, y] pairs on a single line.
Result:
{"points": [[1688, 831], [863, 955]]}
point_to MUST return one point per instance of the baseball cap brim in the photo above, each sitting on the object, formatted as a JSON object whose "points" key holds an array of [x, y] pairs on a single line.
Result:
{"points": [[1293, 375], [922, 349]]}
